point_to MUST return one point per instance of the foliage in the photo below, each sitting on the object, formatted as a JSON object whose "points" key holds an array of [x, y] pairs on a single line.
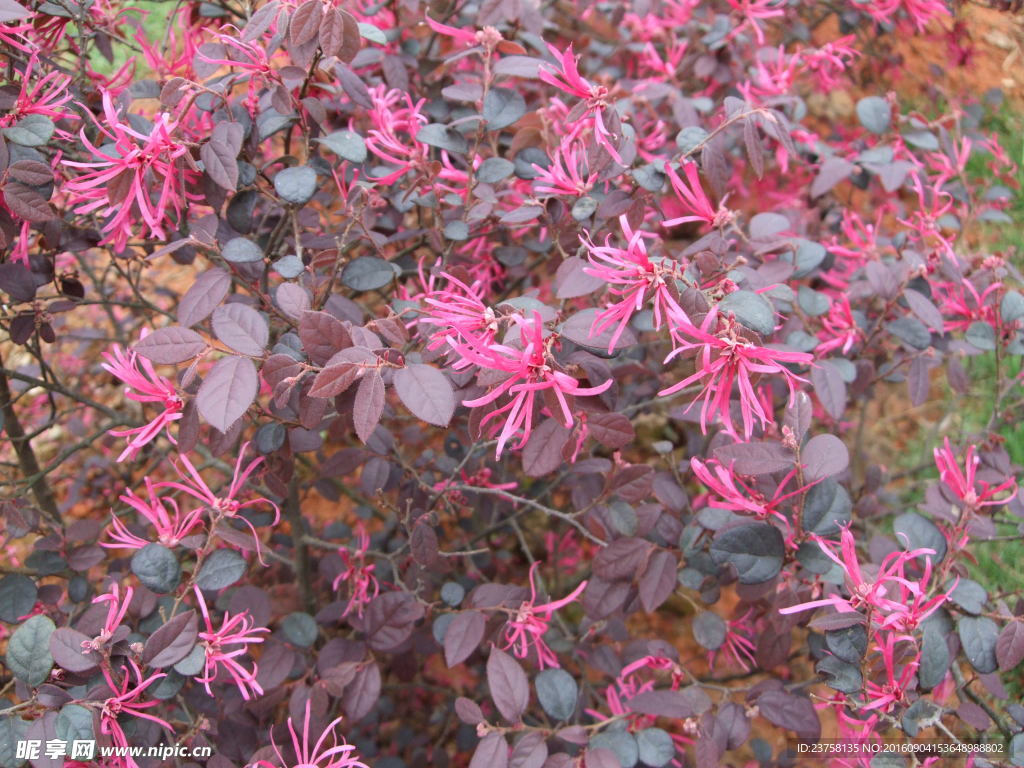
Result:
{"points": [[492, 385]]}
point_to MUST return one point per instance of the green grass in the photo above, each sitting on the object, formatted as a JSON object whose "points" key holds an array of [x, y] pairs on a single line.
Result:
{"points": [[154, 20]]}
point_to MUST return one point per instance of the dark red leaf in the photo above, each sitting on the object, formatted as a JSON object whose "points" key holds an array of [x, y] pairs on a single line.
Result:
{"points": [[169, 345], [227, 391], [509, 687], [369, 404], [426, 392], [27, 204], [463, 636]]}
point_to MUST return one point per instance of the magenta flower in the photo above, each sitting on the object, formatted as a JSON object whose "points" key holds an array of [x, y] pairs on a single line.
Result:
{"points": [[117, 607], [238, 630], [962, 301], [871, 593], [143, 385], [726, 358], [336, 756], [46, 96], [596, 98], [226, 505], [130, 170], [358, 574], [752, 13], [531, 370], [171, 528], [695, 200], [125, 701], [962, 482], [567, 174], [840, 328], [731, 492], [918, 606], [458, 313], [632, 275], [738, 643], [396, 120], [527, 627], [893, 691]]}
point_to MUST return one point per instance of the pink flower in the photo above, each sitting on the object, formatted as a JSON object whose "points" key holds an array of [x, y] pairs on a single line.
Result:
{"points": [[238, 630], [870, 593], [841, 330], [358, 574], [893, 691], [226, 505], [336, 756], [170, 528], [962, 301], [566, 77], [962, 483], [726, 358], [125, 701], [565, 174], [126, 177], [531, 370], [738, 643], [917, 605], [734, 494], [695, 201], [632, 275], [143, 385], [458, 313], [753, 12], [527, 627], [116, 610], [396, 120]]}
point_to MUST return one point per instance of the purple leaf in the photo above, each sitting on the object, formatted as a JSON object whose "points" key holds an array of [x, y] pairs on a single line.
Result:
{"points": [[463, 636], [790, 711], [832, 171], [529, 752], [322, 335], [762, 458], [242, 328], [426, 392], [12, 11], [509, 687], [918, 382], [491, 752], [292, 299], [227, 391], [362, 693], [686, 702], [1009, 646], [830, 388], [577, 330], [824, 456], [925, 310], [658, 580], [206, 293], [468, 711], [66, 649], [172, 642], [543, 453], [622, 559], [571, 281], [220, 154], [369, 405], [798, 415], [172, 344], [341, 371]]}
